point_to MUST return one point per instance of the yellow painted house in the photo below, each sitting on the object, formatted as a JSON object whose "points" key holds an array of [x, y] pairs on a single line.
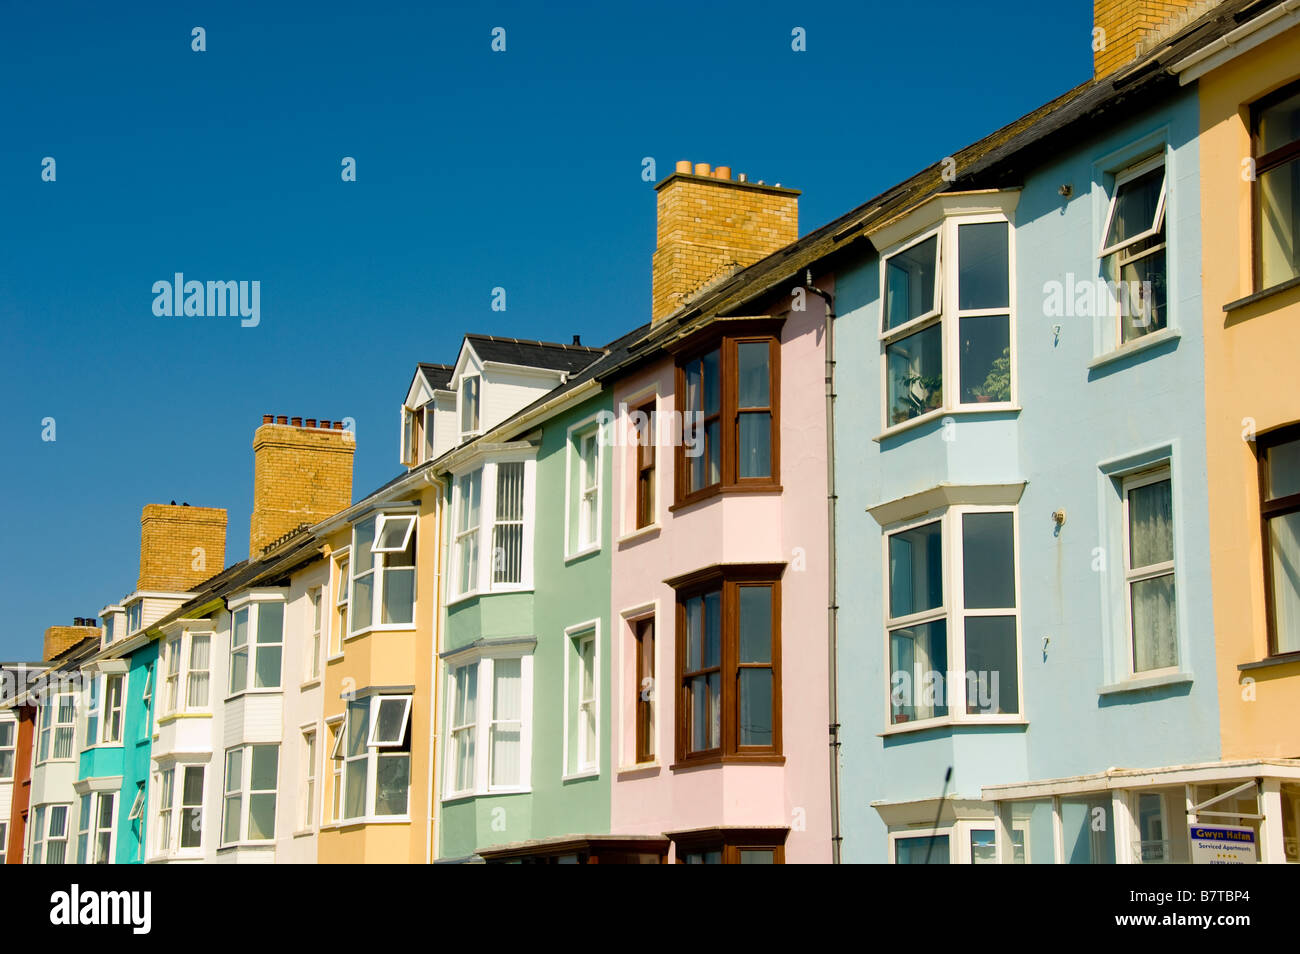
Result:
{"points": [[1249, 93]]}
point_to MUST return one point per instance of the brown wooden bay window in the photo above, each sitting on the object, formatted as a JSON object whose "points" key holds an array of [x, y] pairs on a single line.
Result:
{"points": [[728, 392], [729, 664], [731, 846]]}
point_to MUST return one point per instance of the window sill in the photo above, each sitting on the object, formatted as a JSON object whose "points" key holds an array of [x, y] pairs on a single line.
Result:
{"points": [[580, 776], [948, 722], [303, 832], [716, 761], [584, 552], [169, 719], [640, 534], [465, 796], [1001, 407], [1153, 340], [190, 855], [1138, 683], [248, 692], [335, 658], [719, 490], [390, 628], [237, 845], [1281, 659], [309, 684], [641, 768], [347, 823], [1258, 296], [479, 594]]}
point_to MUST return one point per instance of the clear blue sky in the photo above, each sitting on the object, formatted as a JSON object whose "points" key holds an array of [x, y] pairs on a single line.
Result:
{"points": [[474, 169]]}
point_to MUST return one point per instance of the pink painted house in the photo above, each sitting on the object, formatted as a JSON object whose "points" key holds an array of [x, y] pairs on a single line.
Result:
{"points": [[720, 587]]}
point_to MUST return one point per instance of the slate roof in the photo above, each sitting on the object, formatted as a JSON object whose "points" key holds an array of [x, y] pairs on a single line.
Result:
{"points": [[534, 354], [438, 375]]}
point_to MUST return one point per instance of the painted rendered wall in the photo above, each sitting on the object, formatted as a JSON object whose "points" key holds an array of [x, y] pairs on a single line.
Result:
{"points": [[1250, 375], [1073, 420], [137, 738], [21, 797], [748, 528], [565, 594]]}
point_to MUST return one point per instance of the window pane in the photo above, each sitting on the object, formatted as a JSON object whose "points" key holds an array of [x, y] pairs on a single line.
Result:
{"points": [[270, 623], [261, 817], [983, 268], [1144, 293], [1135, 206], [230, 824], [1279, 213], [755, 624], [268, 668], [713, 629], [755, 706], [983, 847], [754, 455], [1279, 124], [355, 789], [916, 570], [507, 689], [918, 659], [399, 596], [985, 359], [505, 755], [1154, 637], [358, 726], [694, 610], [1283, 469], [706, 713], [1284, 554], [265, 760], [991, 679], [988, 561], [394, 532], [753, 380], [466, 694], [909, 282], [1087, 828], [389, 720], [930, 849], [363, 590], [757, 856], [1151, 524], [392, 782], [363, 558], [712, 386], [915, 374]]}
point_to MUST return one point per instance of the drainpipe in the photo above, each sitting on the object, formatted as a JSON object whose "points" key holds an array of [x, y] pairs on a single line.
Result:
{"points": [[832, 609], [434, 702]]}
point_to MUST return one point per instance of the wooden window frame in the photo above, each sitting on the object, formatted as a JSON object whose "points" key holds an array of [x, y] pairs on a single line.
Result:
{"points": [[646, 459], [726, 579], [1268, 510], [725, 339], [730, 842], [1265, 163], [643, 636]]}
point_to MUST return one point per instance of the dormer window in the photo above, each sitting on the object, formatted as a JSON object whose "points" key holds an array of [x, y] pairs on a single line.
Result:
{"points": [[469, 406], [133, 616]]}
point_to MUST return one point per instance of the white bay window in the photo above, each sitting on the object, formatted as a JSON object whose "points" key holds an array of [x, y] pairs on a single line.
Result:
{"points": [[374, 752], [382, 573], [489, 702], [248, 802], [493, 515], [256, 645]]}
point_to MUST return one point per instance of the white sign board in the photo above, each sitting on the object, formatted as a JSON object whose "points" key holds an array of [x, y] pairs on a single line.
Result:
{"points": [[1222, 845]]}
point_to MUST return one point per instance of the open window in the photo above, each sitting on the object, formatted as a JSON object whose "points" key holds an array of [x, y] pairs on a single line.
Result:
{"points": [[393, 532], [392, 714], [137, 806], [1133, 248]]}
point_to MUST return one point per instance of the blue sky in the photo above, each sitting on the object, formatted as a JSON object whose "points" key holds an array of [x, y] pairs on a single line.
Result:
{"points": [[475, 169]]}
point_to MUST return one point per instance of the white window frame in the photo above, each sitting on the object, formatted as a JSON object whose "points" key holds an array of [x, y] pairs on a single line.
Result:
{"points": [[106, 719], [371, 756], [482, 725], [576, 493], [94, 710], [340, 605], [954, 611], [1153, 475], [959, 838], [482, 581], [165, 812], [42, 839], [310, 777], [49, 722], [137, 805], [316, 611], [407, 517], [134, 615], [1122, 178], [947, 314], [12, 749], [252, 604], [577, 762], [378, 572], [246, 792], [337, 725], [463, 405], [177, 659], [173, 655]]}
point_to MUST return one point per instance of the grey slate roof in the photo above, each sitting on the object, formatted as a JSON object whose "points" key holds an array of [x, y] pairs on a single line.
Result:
{"points": [[534, 354], [438, 375]]}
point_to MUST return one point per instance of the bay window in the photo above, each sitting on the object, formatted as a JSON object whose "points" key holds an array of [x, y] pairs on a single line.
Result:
{"points": [[946, 329], [383, 572], [489, 717], [1133, 248], [256, 648], [374, 751], [49, 844], [1279, 480], [1276, 132], [493, 513], [58, 726], [187, 669], [731, 846], [951, 614], [1149, 571], [95, 828], [248, 802], [180, 808], [729, 664], [114, 687], [728, 390]]}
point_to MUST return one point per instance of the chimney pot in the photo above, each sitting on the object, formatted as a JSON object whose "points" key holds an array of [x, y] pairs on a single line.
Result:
{"points": [[268, 418], [311, 422], [338, 425], [701, 168], [683, 165], [296, 421], [577, 340], [282, 419], [722, 172], [743, 177]]}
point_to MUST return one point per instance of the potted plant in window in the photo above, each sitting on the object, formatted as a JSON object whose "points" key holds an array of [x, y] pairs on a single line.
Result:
{"points": [[922, 392], [997, 384]]}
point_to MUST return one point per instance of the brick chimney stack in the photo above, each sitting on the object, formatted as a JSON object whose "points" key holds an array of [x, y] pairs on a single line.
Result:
{"points": [[300, 475], [59, 639], [708, 222], [1132, 28], [180, 546]]}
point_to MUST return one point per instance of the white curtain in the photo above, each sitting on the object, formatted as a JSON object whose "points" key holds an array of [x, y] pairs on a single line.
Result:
{"points": [[507, 686]]}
